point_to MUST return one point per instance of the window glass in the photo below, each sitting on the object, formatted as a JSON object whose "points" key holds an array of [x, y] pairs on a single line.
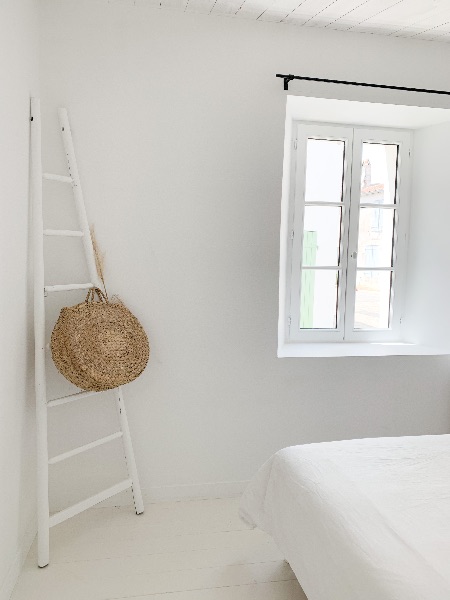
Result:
{"points": [[373, 299], [318, 301], [322, 236], [375, 237], [379, 173], [324, 170]]}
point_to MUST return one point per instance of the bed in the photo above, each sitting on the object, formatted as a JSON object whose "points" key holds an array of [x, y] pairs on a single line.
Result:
{"points": [[361, 519]]}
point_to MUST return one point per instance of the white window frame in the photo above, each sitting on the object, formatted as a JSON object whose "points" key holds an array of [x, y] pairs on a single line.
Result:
{"points": [[353, 137]]}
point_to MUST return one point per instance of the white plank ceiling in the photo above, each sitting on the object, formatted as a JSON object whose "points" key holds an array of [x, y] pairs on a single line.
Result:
{"points": [[422, 19]]}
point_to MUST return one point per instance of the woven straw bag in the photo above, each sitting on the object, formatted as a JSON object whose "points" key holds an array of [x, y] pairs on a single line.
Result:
{"points": [[99, 345]]}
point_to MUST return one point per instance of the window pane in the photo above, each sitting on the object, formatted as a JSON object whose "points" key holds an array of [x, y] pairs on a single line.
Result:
{"points": [[375, 237], [373, 298], [324, 170], [321, 236], [318, 300], [379, 173]]}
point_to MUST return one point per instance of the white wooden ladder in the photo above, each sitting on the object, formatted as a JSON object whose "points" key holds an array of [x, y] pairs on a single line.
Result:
{"points": [[45, 520]]}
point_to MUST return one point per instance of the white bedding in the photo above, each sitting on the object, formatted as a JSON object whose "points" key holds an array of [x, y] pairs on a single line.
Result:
{"points": [[361, 519]]}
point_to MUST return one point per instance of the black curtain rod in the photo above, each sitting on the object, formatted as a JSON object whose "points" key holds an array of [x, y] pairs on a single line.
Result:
{"points": [[288, 78]]}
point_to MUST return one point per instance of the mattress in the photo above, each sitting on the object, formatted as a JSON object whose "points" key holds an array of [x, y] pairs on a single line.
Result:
{"points": [[361, 519]]}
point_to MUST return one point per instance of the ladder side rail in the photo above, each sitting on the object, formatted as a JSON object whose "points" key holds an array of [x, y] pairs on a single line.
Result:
{"points": [[129, 452], [78, 195], [39, 336]]}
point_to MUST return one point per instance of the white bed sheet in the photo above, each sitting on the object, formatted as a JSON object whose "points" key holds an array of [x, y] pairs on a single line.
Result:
{"points": [[361, 519]]}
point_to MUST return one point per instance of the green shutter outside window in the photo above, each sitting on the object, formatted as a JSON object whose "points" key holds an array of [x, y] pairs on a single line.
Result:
{"points": [[307, 289]]}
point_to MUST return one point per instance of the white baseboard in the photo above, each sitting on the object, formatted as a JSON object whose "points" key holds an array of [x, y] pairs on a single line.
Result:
{"points": [[9, 582], [223, 489], [173, 493]]}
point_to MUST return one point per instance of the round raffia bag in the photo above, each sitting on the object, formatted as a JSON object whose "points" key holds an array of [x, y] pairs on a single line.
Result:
{"points": [[99, 345]]}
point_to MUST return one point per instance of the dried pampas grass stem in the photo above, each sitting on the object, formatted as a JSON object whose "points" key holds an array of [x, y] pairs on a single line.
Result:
{"points": [[99, 258]]}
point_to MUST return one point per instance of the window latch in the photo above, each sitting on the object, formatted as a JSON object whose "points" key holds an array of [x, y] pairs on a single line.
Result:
{"points": [[354, 255]]}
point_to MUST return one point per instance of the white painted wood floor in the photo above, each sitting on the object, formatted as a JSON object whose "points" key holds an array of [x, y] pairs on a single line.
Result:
{"points": [[193, 550]]}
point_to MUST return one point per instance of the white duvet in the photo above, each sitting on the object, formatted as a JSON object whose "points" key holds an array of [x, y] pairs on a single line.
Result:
{"points": [[361, 519]]}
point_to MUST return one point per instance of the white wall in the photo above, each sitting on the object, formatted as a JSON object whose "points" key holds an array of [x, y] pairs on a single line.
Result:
{"points": [[179, 124], [427, 310], [18, 66]]}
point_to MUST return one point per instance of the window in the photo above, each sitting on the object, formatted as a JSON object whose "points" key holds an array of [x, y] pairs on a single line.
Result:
{"points": [[348, 215]]}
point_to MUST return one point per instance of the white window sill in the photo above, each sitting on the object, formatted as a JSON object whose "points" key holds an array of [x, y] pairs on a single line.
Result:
{"points": [[316, 349]]}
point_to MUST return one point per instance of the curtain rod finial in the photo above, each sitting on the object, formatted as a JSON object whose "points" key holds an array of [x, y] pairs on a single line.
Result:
{"points": [[287, 79]]}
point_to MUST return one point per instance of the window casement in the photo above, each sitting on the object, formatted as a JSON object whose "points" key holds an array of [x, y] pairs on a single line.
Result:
{"points": [[347, 235]]}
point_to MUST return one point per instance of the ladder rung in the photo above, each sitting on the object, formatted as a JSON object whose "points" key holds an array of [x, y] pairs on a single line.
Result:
{"points": [[67, 513], [68, 287], [62, 178], [71, 398], [75, 451], [64, 232]]}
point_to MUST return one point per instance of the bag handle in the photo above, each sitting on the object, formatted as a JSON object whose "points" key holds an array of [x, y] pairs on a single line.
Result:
{"points": [[93, 291]]}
